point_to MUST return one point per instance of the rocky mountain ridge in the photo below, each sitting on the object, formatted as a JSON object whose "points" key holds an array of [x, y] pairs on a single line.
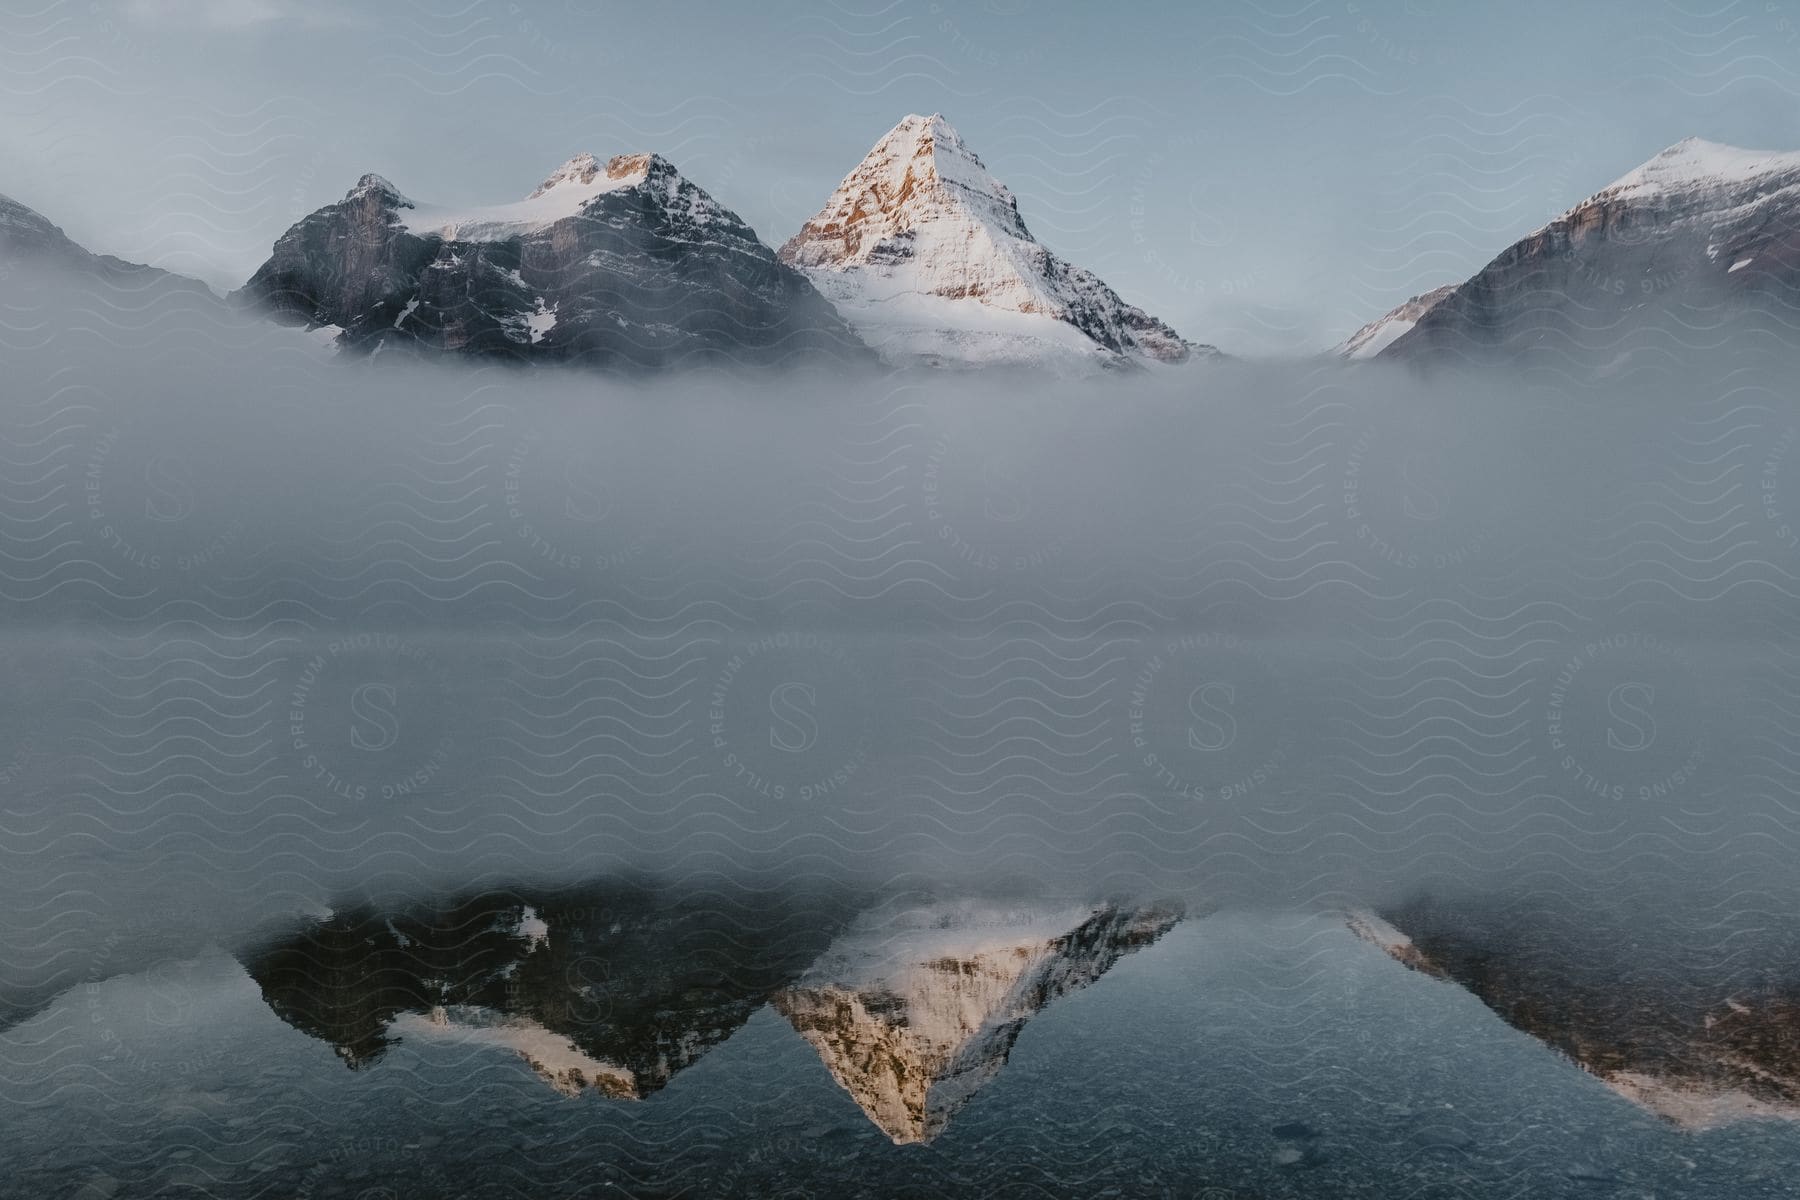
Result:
{"points": [[30, 239], [922, 253], [623, 265], [1655, 259], [912, 1006]]}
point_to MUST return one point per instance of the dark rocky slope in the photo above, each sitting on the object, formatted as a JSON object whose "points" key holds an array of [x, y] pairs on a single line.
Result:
{"points": [[625, 264], [1700, 236]]}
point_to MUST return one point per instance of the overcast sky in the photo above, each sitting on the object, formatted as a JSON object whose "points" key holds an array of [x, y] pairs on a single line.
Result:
{"points": [[1265, 176]]}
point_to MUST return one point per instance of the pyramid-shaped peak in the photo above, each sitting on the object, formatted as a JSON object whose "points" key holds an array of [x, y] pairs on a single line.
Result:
{"points": [[920, 225], [935, 150], [916, 126], [919, 174]]}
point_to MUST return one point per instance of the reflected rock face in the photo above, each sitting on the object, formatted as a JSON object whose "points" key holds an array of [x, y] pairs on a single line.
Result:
{"points": [[612, 989], [1693, 1050], [915, 1008]]}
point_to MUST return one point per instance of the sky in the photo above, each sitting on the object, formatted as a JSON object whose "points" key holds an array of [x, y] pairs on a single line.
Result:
{"points": [[1264, 176]]}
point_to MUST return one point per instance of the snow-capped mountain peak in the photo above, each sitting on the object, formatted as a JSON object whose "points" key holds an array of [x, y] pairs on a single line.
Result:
{"points": [[1695, 178], [920, 171], [624, 264], [927, 255], [948, 159], [1697, 163], [1699, 231]]}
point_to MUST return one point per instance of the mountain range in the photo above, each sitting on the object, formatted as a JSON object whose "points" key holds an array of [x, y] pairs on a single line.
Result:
{"points": [[920, 257], [912, 1006]]}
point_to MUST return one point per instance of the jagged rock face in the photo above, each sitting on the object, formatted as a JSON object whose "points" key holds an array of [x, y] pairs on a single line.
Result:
{"points": [[927, 256], [1379, 334], [914, 1009], [610, 989], [626, 264], [1699, 230], [1680, 1044], [28, 238]]}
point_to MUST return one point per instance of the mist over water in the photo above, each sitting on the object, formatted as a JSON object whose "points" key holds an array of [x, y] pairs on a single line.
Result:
{"points": [[283, 628], [577, 724]]}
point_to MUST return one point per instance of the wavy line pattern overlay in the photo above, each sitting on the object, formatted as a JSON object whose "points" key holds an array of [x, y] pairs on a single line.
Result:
{"points": [[1246, 778]]}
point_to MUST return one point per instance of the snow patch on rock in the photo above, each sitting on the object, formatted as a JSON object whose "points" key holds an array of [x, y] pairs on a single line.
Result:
{"points": [[1382, 332], [555, 1058], [564, 193]]}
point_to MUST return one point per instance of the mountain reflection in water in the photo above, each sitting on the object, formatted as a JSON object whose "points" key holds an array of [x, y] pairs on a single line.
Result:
{"points": [[915, 1008], [1700, 1035], [913, 1005], [634, 1041]]}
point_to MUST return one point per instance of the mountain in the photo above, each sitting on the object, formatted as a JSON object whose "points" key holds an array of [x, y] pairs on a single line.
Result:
{"points": [[1698, 1048], [925, 253], [28, 239], [915, 1008], [609, 988], [1699, 233], [616, 988], [1380, 333], [624, 264]]}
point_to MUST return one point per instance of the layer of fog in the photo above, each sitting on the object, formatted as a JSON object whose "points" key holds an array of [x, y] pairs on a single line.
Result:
{"points": [[281, 626]]}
